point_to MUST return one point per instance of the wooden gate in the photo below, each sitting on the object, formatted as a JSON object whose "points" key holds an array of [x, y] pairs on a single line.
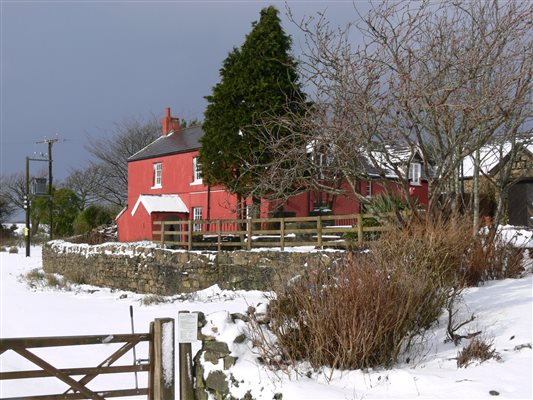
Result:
{"points": [[159, 387]]}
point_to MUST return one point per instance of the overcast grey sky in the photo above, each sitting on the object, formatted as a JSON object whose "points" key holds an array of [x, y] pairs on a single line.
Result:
{"points": [[73, 68]]}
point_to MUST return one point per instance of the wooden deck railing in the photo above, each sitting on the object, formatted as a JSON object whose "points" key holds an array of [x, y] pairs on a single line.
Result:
{"points": [[320, 231], [78, 388]]}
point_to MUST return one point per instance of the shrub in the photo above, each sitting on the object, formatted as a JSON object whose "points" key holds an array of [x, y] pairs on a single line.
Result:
{"points": [[52, 280], [13, 250], [489, 258], [6, 234], [476, 350], [76, 276], [370, 310], [376, 305], [96, 236], [34, 275], [3, 249], [383, 204], [92, 217], [153, 299], [36, 278], [363, 316]]}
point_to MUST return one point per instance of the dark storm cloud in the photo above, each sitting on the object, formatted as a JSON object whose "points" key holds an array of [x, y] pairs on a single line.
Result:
{"points": [[74, 68]]}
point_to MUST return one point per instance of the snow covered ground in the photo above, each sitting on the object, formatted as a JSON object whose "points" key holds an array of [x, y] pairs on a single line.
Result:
{"points": [[503, 309]]}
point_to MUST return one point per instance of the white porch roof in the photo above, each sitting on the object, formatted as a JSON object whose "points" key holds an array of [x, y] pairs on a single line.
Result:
{"points": [[160, 203]]}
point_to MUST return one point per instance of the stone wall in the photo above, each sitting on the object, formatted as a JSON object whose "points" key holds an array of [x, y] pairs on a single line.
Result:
{"points": [[144, 268], [224, 338]]}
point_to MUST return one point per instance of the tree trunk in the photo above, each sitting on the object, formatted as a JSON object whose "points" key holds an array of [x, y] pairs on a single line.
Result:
{"points": [[239, 215], [475, 192], [456, 187]]}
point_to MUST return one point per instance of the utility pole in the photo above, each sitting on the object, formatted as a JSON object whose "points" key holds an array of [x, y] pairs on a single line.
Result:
{"points": [[27, 203], [50, 143], [27, 197], [27, 207]]}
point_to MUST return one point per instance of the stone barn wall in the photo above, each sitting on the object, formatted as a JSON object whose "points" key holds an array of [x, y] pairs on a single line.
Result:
{"points": [[144, 268]]}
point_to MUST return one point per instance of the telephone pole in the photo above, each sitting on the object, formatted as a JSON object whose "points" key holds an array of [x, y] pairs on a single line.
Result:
{"points": [[27, 203], [50, 143]]}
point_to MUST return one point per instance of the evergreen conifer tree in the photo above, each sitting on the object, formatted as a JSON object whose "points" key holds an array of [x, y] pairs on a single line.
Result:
{"points": [[257, 80]]}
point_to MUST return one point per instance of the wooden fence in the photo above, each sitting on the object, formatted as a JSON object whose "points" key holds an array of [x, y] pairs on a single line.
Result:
{"points": [[158, 388], [340, 231]]}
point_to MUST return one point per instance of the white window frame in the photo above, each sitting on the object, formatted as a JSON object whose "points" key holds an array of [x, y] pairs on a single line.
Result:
{"points": [[197, 216], [196, 172], [158, 175], [415, 173], [369, 188]]}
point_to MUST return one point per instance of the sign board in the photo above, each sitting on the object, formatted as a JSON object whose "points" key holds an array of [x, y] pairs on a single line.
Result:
{"points": [[187, 327]]}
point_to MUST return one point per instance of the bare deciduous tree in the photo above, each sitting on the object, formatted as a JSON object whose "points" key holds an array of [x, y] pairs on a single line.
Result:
{"points": [[13, 190], [9, 200], [112, 153], [88, 184], [13, 193], [439, 78]]}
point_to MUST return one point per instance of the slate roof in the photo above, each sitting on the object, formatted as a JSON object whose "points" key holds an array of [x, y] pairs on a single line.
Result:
{"points": [[185, 140], [188, 139]]}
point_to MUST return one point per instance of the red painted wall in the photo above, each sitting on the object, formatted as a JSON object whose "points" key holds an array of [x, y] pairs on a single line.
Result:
{"points": [[421, 192], [134, 228], [177, 178], [303, 204]]}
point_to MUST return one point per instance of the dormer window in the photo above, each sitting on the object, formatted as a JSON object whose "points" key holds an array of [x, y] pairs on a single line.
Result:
{"points": [[415, 172], [158, 174], [196, 171]]}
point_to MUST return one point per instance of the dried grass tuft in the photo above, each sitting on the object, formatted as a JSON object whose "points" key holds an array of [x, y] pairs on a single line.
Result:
{"points": [[477, 349]]}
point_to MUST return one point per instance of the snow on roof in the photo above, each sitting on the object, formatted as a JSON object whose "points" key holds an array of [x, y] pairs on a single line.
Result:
{"points": [[392, 159], [161, 203], [490, 157], [379, 162]]}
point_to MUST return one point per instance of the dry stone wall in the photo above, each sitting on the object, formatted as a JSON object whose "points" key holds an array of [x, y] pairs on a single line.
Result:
{"points": [[144, 268]]}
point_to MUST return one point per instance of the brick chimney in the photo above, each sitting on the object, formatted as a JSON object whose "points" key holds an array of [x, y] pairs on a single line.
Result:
{"points": [[170, 124]]}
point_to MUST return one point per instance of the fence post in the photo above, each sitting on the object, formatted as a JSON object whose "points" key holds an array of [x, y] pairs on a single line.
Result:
{"points": [[319, 231], [282, 233], [249, 229], [163, 359], [151, 356], [219, 235], [185, 366], [189, 231], [360, 229], [162, 233]]}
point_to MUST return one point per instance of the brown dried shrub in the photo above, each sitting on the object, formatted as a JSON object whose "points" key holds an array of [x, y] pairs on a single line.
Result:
{"points": [[477, 349], [489, 258], [368, 311], [372, 308]]}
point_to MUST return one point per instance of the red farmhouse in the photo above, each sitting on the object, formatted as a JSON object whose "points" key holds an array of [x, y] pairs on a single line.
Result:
{"points": [[165, 183]]}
